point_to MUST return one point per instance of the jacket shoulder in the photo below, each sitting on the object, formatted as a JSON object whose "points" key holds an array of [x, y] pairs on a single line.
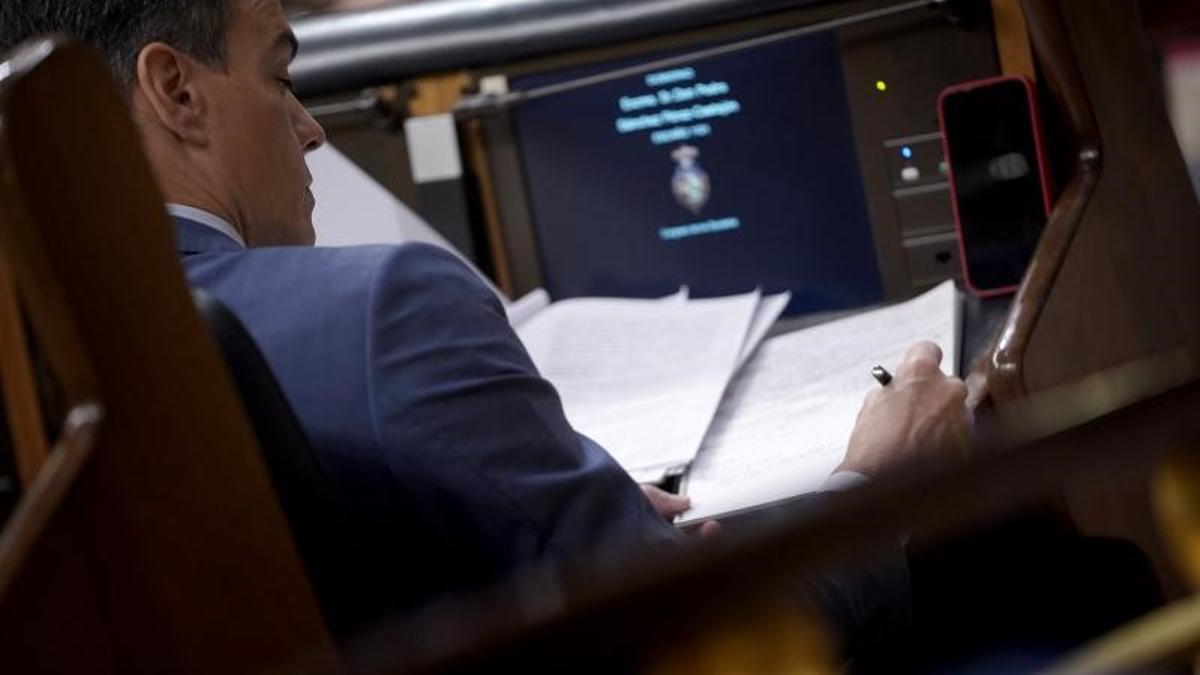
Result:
{"points": [[346, 268], [433, 281]]}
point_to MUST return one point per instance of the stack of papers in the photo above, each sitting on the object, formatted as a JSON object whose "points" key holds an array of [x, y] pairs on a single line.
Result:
{"points": [[644, 378], [783, 426], [679, 386]]}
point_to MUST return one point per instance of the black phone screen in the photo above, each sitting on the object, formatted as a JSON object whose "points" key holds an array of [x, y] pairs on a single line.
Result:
{"points": [[997, 180]]}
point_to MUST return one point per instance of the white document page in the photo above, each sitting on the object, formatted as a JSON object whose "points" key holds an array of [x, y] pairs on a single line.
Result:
{"points": [[641, 378], [527, 306], [783, 426], [352, 209], [764, 317]]}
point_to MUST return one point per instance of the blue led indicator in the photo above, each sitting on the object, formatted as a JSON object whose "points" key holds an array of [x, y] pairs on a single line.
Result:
{"points": [[906, 152]]}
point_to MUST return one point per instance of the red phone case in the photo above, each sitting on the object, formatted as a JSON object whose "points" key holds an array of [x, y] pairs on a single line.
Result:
{"points": [[1043, 172]]}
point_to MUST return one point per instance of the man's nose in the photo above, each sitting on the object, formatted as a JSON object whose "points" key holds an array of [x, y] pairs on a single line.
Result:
{"points": [[309, 130]]}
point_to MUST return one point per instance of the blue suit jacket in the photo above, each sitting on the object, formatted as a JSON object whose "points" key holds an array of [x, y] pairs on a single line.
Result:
{"points": [[428, 414], [424, 408]]}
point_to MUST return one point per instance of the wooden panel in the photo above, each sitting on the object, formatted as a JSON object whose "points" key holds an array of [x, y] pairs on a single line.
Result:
{"points": [[1114, 278], [437, 94], [19, 387], [1012, 39], [1130, 283], [1115, 275], [481, 169], [169, 552]]}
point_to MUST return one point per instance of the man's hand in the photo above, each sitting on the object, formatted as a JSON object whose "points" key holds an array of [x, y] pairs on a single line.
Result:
{"points": [[920, 414], [669, 506]]}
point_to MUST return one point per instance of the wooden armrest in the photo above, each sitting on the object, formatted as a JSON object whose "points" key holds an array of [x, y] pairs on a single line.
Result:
{"points": [[46, 491]]}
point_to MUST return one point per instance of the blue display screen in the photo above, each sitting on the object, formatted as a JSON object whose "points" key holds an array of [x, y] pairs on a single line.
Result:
{"points": [[726, 174]]}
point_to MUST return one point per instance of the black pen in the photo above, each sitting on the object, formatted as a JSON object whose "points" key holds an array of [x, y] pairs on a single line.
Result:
{"points": [[881, 375]]}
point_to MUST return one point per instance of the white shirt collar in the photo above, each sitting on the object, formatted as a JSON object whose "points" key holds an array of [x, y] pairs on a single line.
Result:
{"points": [[205, 218]]}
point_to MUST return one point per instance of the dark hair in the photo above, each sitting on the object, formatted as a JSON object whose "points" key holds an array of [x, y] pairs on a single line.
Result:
{"points": [[120, 28]]}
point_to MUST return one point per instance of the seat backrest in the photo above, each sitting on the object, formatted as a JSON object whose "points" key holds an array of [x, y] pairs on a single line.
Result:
{"points": [[10, 487], [331, 541], [1115, 277], [148, 537]]}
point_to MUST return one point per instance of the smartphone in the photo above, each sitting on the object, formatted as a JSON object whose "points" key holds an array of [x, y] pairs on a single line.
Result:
{"points": [[1000, 190]]}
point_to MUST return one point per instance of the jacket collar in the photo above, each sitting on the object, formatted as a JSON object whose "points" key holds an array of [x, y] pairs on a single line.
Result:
{"points": [[193, 237]]}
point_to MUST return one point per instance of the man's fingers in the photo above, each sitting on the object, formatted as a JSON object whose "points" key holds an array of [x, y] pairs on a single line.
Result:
{"points": [[977, 389], [667, 504], [957, 389], [920, 359], [924, 350]]}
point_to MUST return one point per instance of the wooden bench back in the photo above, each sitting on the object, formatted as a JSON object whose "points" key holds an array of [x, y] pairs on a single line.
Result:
{"points": [[148, 537]]}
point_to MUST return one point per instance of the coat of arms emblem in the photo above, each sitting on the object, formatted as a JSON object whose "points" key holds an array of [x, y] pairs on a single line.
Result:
{"points": [[690, 183]]}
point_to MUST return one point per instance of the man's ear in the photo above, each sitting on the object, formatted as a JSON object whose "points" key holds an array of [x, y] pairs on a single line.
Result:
{"points": [[167, 81]]}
